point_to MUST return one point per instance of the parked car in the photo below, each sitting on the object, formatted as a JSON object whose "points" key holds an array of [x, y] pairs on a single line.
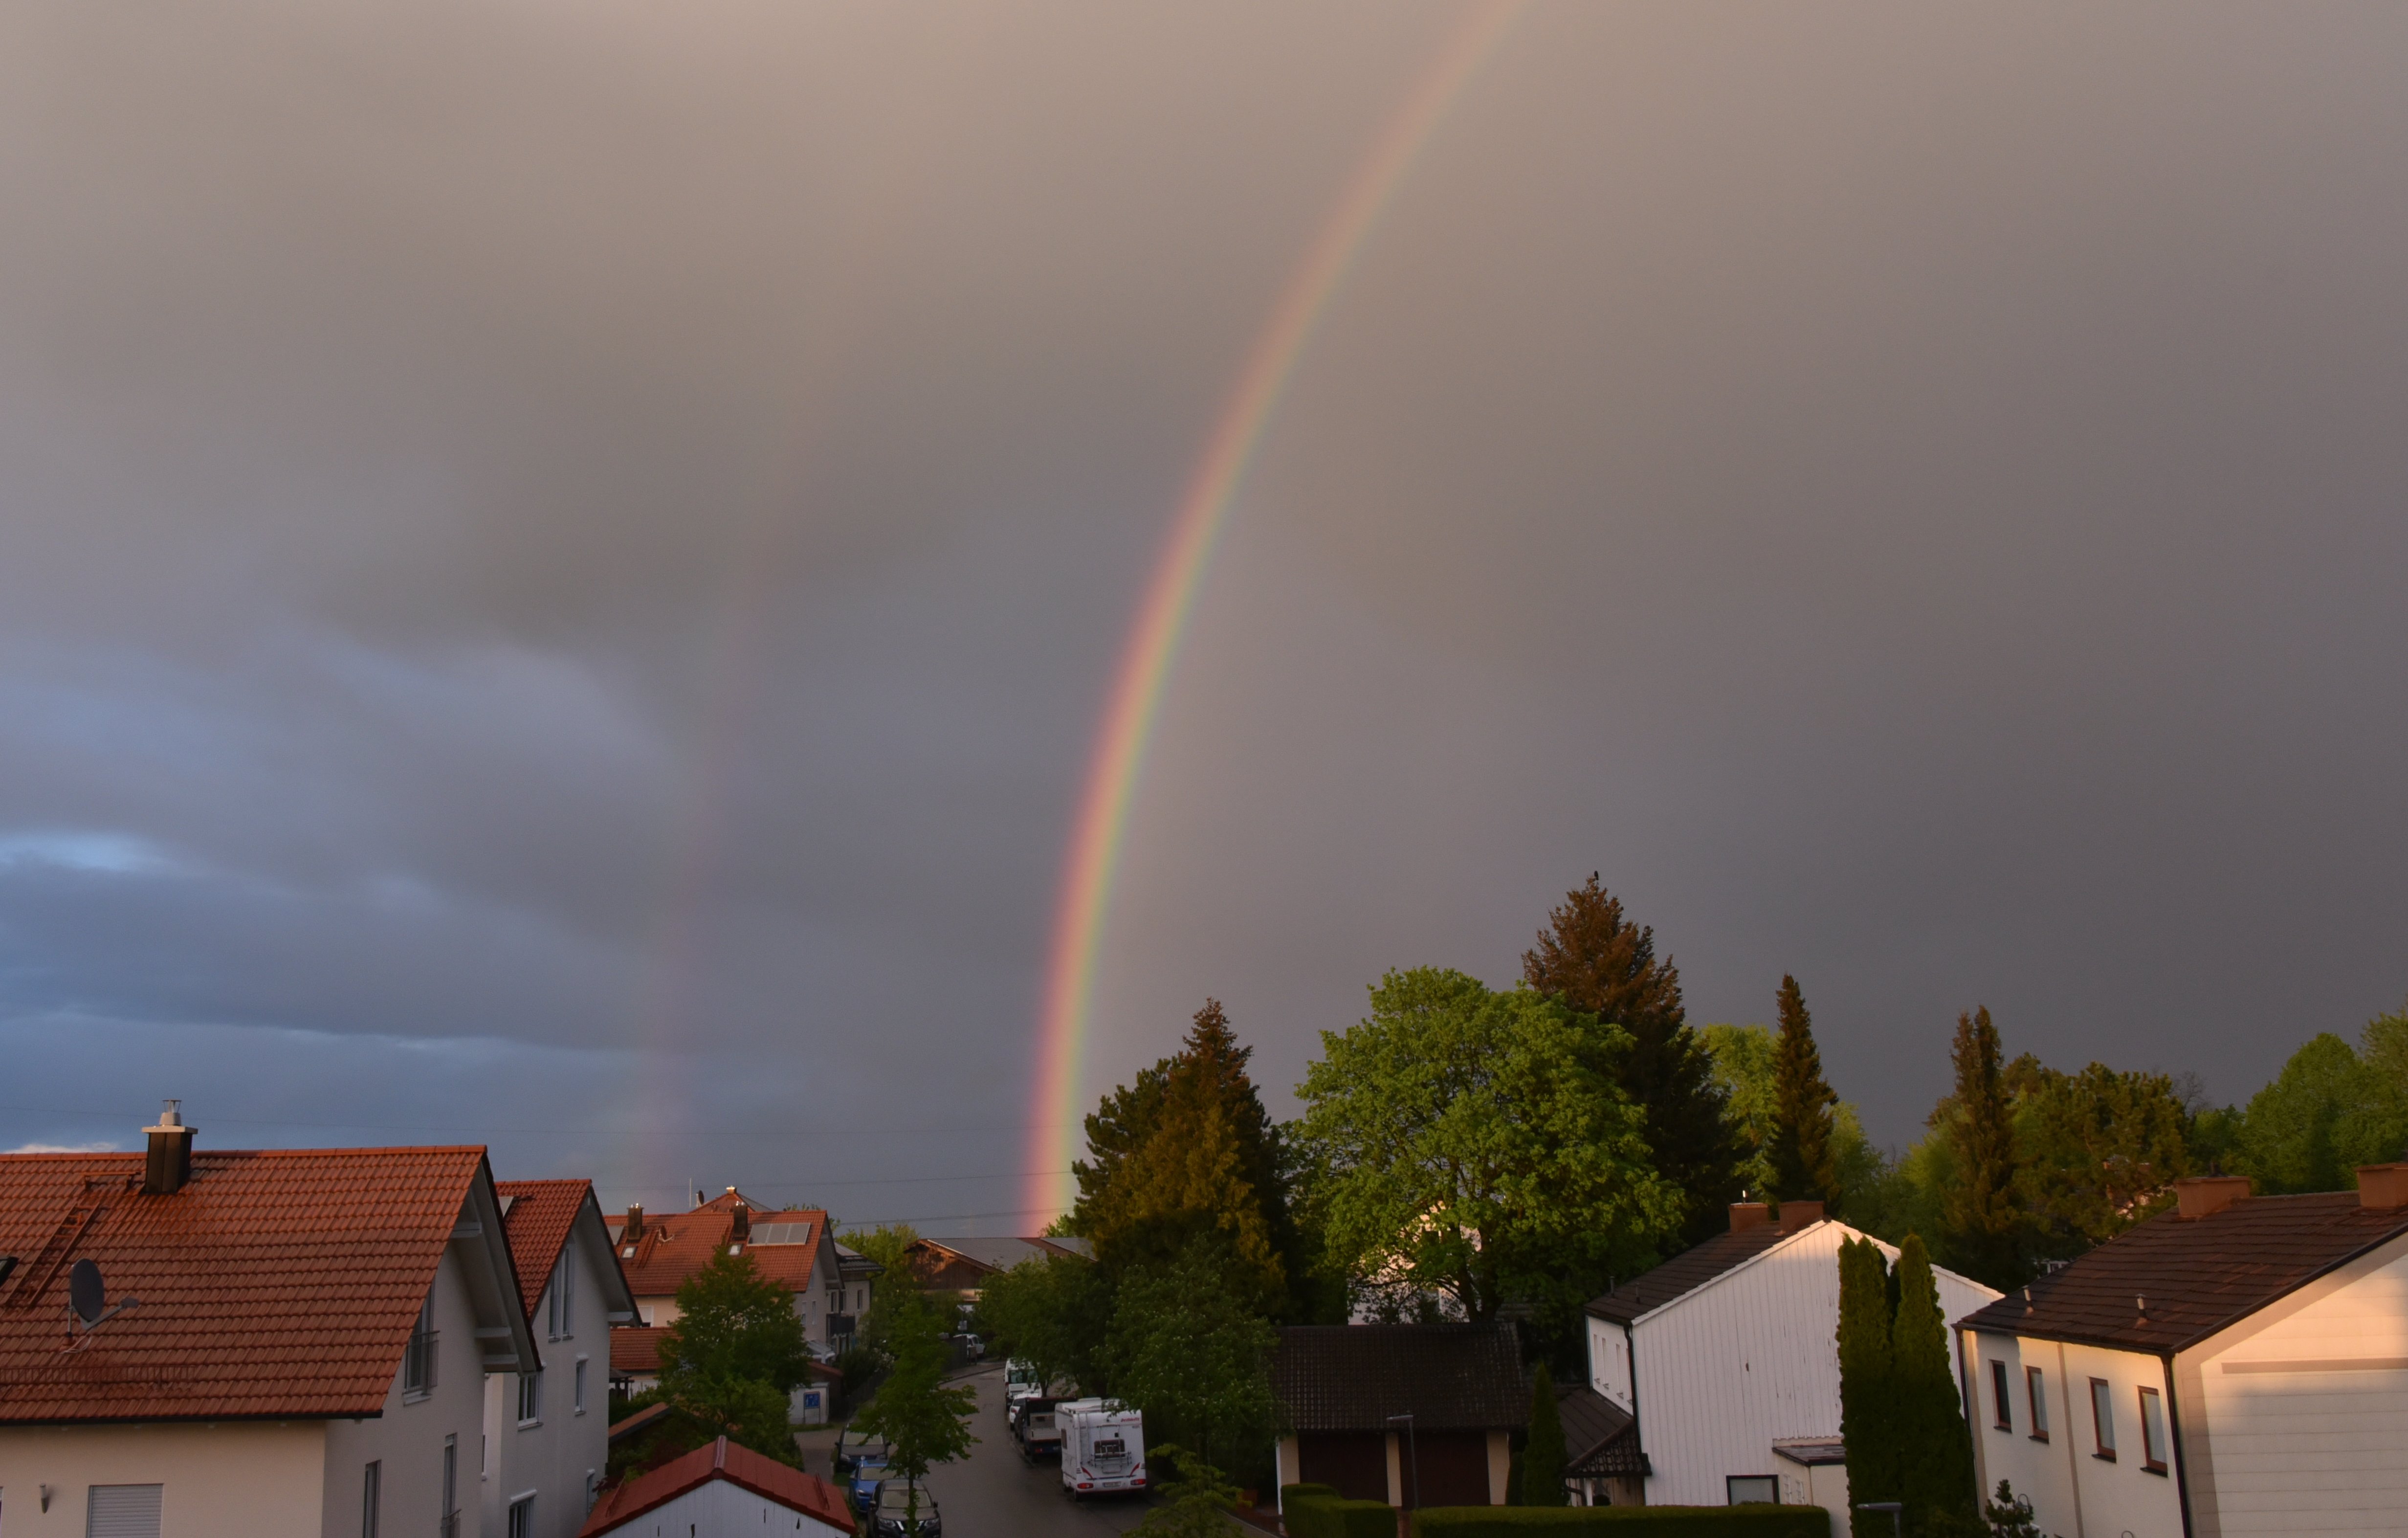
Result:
{"points": [[852, 1447], [974, 1348], [1035, 1428], [868, 1473], [898, 1502]]}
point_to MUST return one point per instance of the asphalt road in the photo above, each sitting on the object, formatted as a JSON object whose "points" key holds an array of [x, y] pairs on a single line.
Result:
{"points": [[993, 1494]]}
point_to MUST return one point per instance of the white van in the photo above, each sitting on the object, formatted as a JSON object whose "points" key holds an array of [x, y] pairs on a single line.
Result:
{"points": [[1103, 1446]]}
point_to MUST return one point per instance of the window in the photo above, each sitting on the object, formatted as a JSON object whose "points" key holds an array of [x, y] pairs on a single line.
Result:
{"points": [[531, 1398], [371, 1499], [2036, 1397], [563, 1299], [523, 1518], [1746, 1490], [449, 1522], [2102, 1420], [2003, 1413], [579, 1402], [593, 1488], [418, 1359], [121, 1510], [2153, 1431]]}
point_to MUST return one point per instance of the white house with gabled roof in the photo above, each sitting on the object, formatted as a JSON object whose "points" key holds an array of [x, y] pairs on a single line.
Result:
{"points": [[1727, 1359]]}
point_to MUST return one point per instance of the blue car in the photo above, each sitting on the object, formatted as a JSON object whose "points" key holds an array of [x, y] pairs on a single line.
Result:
{"points": [[868, 1472]]}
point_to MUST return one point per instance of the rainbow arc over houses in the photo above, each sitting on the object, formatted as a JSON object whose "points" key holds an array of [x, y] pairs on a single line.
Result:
{"points": [[1138, 682]]}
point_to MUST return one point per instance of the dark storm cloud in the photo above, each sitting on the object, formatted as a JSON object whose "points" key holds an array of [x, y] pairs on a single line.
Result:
{"points": [[561, 563]]}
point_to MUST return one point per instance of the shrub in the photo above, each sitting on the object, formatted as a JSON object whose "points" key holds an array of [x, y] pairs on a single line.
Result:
{"points": [[1316, 1511], [1753, 1521]]}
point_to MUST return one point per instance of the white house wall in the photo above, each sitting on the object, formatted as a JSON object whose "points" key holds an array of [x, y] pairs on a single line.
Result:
{"points": [[722, 1506], [2073, 1490], [232, 1479], [1749, 1357], [2299, 1416], [408, 1439], [555, 1458]]}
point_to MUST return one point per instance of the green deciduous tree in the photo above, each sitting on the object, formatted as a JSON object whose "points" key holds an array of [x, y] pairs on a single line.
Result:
{"points": [[1051, 1312], [1543, 1455], [1868, 1387], [924, 1423], [1935, 1452], [2330, 1110], [1466, 1143], [1201, 1499], [1187, 1149], [1594, 961], [1744, 1059], [1984, 1226], [1803, 1153], [734, 1353], [1188, 1349]]}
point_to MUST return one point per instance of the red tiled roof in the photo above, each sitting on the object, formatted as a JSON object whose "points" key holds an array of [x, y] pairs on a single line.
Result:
{"points": [[797, 1491], [2197, 1275], [637, 1348], [541, 1212], [678, 1245], [281, 1283]]}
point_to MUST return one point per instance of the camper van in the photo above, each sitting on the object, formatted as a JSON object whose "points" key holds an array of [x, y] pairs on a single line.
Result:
{"points": [[1103, 1446]]}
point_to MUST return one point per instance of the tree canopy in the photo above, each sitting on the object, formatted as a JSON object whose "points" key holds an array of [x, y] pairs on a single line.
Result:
{"points": [[1985, 1229], [1188, 1349], [924, 1423], [1803, 1150], [1469, 1144], [1594, 961], [734, 1353]]}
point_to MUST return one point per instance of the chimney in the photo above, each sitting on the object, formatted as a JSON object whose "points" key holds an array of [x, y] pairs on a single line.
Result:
{"points": [[1798, 1214], [1749, 1214], [743, 1222], [634, 1228], [2383, 1186], [170, 1164], [2203, 1196]]}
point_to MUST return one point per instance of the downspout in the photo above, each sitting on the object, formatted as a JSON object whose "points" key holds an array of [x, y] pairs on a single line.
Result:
{"points": [[2173, 1429], [1630, 1349]]}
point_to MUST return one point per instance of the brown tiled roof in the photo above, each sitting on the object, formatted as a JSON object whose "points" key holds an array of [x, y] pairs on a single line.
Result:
{"points": [[1600, 1438], [2197, 1275], [1687, 1271], [1447, 1378], [677, 1245], [537, 1220], [275, 1283], [807, 1494], [637, 1348]]}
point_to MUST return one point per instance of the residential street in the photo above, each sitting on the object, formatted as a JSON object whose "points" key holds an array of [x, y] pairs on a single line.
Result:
{"points": [[993, 1494]]}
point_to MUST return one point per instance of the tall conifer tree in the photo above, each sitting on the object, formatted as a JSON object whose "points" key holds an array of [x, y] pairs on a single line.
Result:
{"points": [[1801, 1148], [1542, 1458], [1935, 1469], [1593, 961], [1984, 1224], [1867, 1392], [1188, 1149]]}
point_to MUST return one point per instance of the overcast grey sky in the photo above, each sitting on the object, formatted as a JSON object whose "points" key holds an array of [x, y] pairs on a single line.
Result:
{"points": [[562, 562]]}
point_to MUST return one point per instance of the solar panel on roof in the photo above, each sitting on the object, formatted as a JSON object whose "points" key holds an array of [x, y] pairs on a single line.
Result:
{"points": [[781, 1233]]}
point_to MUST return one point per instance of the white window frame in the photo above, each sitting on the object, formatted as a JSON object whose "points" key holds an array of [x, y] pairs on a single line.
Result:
{"points": [[2153, 1456], [577, 1403], [371, 1497], [517, 1518], [531, 1393], [563, 1293]]}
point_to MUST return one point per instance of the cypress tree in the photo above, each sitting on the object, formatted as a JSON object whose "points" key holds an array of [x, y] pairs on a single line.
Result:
{"points": [[1593, 961], [1935, 1468], [1984, 1225], [1800, 1150], [1542, 1458], [1867, 1392]]}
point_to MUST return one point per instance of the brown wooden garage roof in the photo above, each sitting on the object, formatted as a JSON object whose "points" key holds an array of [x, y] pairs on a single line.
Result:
{"points": [[1447, 1378]]}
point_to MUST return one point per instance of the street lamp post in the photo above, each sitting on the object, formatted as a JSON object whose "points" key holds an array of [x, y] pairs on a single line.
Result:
{"points": [[1412, 1462]]}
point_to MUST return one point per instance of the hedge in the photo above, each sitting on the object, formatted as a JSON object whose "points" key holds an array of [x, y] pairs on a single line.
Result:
{"points": [[1316, 1511], [1749, 1521]]}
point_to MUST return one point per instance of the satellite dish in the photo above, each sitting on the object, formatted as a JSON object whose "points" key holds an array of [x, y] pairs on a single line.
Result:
{"points": [[85, 1293]]}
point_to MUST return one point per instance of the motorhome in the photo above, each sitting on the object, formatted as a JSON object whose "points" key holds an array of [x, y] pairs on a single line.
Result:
{"points": [[1103, 1446]]}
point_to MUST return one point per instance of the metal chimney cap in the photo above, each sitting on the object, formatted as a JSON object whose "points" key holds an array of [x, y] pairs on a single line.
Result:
{"points": [[171, 1119]]}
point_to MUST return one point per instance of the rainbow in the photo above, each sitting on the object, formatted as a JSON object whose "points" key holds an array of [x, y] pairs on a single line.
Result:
{"points": [[1138, 682]]}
